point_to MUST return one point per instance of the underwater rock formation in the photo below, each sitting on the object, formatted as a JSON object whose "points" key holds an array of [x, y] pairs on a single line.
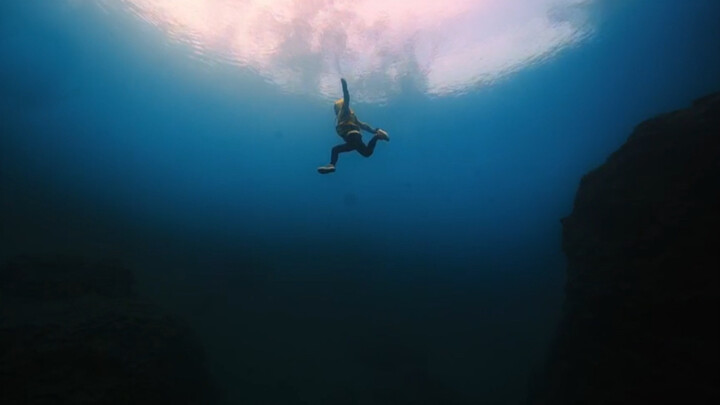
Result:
{"points": [[75, 333], [640, 322]]}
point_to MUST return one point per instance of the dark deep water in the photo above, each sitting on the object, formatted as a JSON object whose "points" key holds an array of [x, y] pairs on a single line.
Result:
{"points": [[430, 273]]}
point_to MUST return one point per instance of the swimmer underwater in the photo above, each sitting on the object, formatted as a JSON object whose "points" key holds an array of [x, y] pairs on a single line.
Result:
{"points": [[348, 127]]}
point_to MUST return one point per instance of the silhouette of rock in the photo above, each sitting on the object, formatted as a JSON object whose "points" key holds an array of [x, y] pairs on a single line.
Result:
{"points": [[640, 322], [74, 333]]}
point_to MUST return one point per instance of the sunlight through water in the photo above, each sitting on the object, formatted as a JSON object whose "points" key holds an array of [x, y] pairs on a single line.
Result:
{"points": [[439, 47]]}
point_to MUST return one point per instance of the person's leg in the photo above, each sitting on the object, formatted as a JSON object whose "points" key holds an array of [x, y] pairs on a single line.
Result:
{"points": [[345, 147], [366, 150]]}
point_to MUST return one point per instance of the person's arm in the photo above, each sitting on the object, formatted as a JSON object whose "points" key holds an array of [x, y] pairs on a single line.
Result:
{"points": [[367, 127], [346, 109], [346, 98]]}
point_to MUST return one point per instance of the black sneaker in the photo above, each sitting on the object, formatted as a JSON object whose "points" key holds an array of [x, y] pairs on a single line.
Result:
{"points": [[382, 135], [326, 169]]}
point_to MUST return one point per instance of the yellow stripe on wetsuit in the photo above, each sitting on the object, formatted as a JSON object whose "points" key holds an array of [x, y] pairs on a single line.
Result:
{"points": [[347, 126]]}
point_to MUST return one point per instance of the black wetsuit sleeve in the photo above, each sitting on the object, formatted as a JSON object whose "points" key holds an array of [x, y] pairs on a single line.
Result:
{"points": [[367, 127], [346, 98], [346, 108]]}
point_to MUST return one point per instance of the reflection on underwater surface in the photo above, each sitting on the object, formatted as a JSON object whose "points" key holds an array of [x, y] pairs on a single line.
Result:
{"points": [[304, 45]]}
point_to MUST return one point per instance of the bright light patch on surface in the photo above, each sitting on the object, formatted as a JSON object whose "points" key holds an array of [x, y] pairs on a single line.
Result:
{"points": [[440, 46]]}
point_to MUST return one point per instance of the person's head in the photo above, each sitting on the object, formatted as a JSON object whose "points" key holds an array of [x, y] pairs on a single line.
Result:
{"points": [[338, 105]]}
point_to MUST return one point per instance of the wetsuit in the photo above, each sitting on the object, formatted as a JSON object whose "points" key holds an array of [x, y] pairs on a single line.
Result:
{"points": [[348, 127], [349, 131]]}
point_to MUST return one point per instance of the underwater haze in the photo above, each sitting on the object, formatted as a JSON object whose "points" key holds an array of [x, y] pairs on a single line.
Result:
{"points": [[183, 139]]}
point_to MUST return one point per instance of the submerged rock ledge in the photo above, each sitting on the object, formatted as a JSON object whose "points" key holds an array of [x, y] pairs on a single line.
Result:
{"points": [[73, 332], [640, 322]]}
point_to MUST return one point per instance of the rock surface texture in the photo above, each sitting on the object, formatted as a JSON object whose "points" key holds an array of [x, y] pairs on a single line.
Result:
{"points": [[74, 333], [640, 322]]}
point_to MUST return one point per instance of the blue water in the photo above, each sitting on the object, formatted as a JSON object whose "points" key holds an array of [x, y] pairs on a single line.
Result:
{"points": [[431, 272]]}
